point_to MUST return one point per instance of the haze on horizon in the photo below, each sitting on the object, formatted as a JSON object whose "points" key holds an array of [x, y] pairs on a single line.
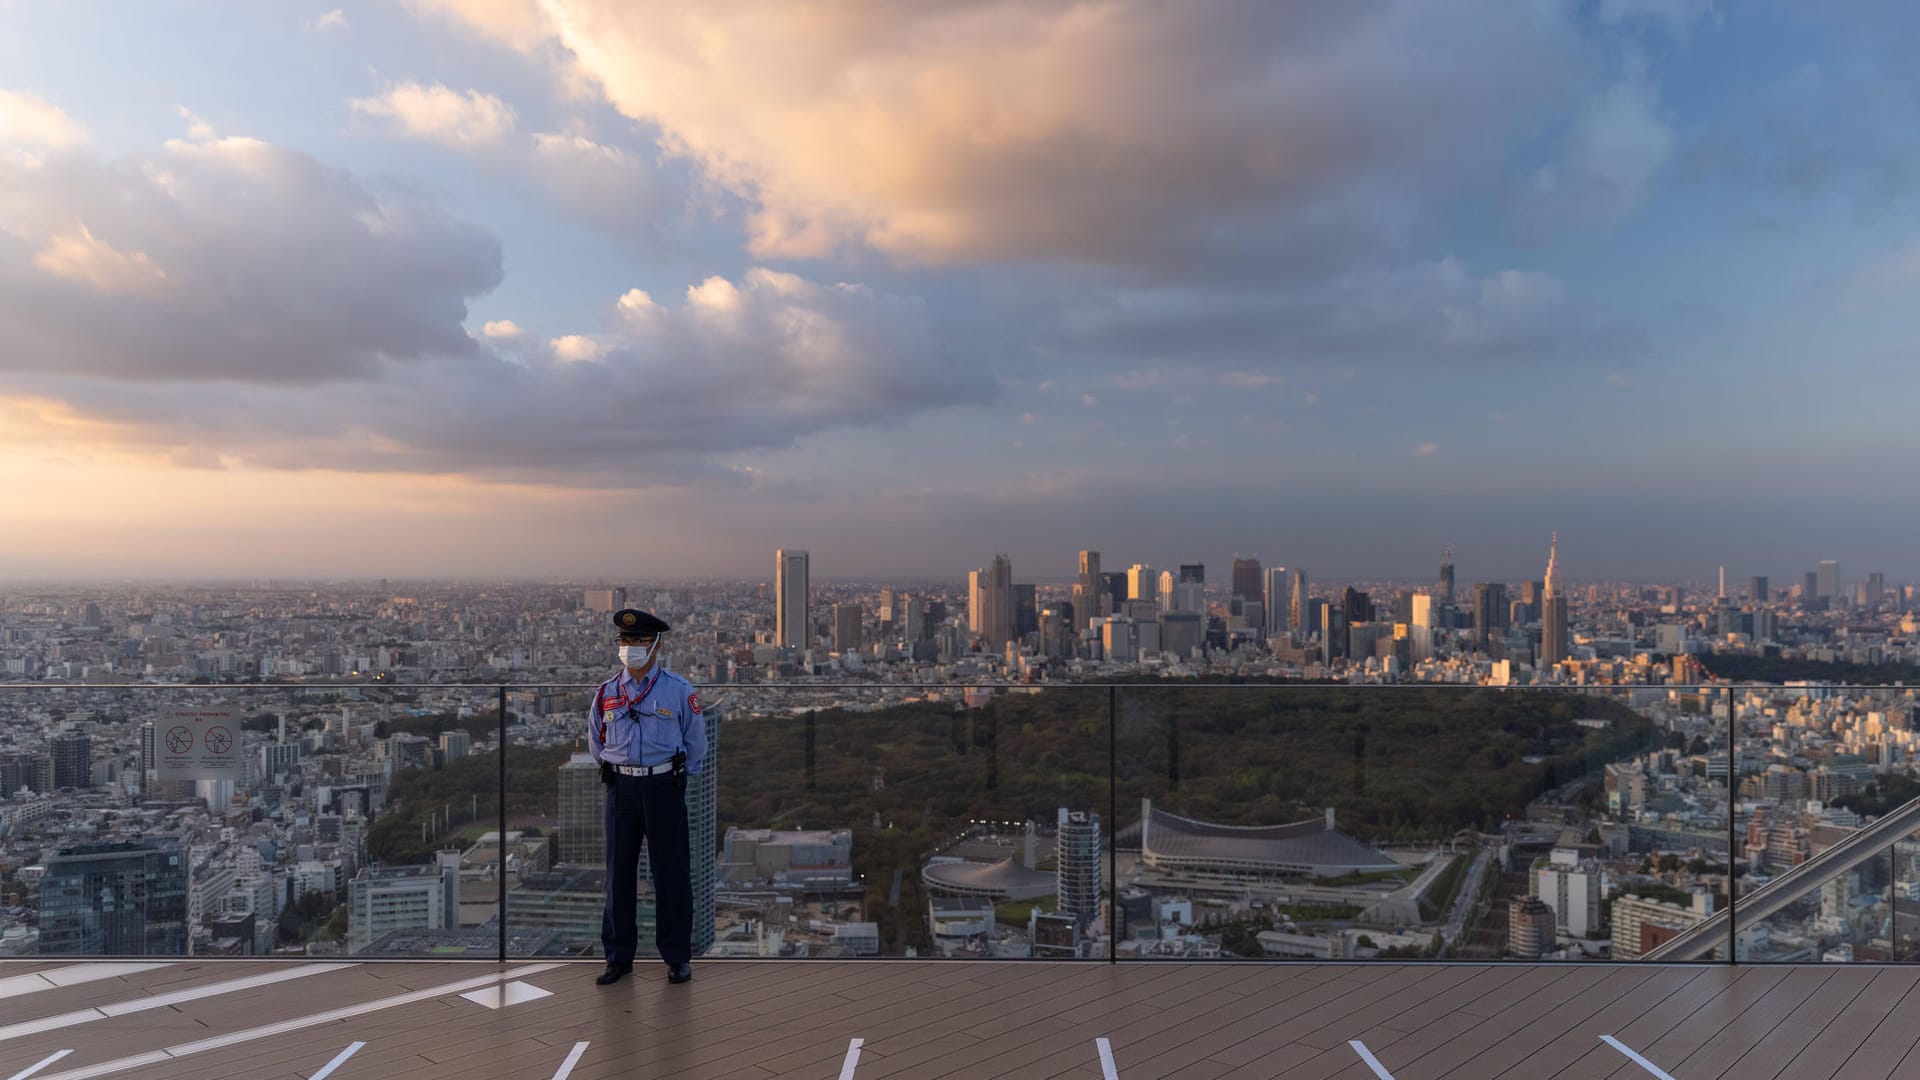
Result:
{"points": [[492, 287]]}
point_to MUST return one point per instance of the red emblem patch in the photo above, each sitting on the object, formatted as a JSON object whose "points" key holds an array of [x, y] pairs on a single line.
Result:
{"points": [[693, 702]]}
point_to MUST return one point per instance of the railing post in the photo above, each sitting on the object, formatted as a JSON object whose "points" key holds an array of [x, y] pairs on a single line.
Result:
{"points": [[501, 849], [1733, 805], [1113, 824]]}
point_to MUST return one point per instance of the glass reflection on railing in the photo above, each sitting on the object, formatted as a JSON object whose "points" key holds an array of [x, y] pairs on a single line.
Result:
{"points": [[1128, 822], [249, 821], [853, 822]]}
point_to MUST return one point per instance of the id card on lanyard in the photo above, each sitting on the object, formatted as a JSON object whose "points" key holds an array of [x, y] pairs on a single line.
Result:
{"points": [[608, 705]]}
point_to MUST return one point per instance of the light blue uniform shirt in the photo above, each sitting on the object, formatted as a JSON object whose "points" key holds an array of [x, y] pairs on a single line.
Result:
{"points": [[645, 721]]}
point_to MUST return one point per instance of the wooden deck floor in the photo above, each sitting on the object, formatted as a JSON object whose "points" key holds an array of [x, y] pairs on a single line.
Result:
{"points": [[957, 1020]]}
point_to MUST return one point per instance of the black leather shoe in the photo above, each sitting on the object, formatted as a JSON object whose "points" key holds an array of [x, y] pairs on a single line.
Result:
{"points": [[679, 973], [613, 974]]}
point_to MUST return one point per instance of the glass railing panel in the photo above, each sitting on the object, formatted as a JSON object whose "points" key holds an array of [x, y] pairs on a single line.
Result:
{"points": [[1666, 820], [1331, 822], [265, 819], [1825, 773], [853, 821]]}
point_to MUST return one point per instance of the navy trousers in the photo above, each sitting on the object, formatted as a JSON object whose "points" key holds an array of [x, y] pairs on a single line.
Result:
{"points": [[653, 808]]}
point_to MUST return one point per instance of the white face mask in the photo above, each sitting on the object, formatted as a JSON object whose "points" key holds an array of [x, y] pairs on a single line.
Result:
{"points": [[637, 656]]}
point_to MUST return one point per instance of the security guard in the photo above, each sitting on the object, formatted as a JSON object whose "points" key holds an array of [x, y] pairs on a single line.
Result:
{"points": [[646, 731]]}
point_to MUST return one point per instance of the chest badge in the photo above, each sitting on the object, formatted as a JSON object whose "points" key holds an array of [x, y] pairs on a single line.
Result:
{"points": [[662, 710]]}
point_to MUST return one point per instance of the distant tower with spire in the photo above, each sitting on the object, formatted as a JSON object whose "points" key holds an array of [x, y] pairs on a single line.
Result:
{"points": [[1555, 644]]}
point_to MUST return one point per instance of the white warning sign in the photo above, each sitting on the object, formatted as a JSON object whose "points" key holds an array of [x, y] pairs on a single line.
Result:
{"points": [[197, 744]]}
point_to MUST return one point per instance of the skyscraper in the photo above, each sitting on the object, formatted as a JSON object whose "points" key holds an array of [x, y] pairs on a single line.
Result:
{"points": [[1087, 592], [1829, 579], [790, 598], [1357, 604], [115, 899], [1077, 862], [1809, 586], [1142, 584], [1490, 612], [1759, 589], [1297, 600], [1445, 591], [1876, 589], [846, 627], [1277, 600], [1000, 607], [1194, 573], [1554, 644], [72, 760], [1333, 633], [1247, 583], [582, 813]]}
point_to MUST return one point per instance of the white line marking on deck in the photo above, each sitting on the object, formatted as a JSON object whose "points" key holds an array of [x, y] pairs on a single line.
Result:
{"points": [[566, 1067], [44, 1062], [267, 1031], [161, 1001], [1106, 1058], [70, 975], [335, 1063], [1636, 1058], [853, 1058], [1373, 1063], [513, 993]]}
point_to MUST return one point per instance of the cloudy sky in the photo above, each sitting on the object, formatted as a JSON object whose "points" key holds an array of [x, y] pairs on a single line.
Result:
{"points": [[555, 287]]}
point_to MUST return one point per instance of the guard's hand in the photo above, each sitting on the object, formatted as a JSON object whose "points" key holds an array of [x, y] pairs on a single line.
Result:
{"points": [[606, 773]]}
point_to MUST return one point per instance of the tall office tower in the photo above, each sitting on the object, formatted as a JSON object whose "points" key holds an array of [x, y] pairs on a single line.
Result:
{"points": [[886, 613], [1164, 591], [1445, 592], [1357, 604], [72, 760], [115, 899], [1056, 631], [1876, 589], [1247, 582], [1809, 586], [1116, 592], [1193, 573], [1555, 646], [1530, 595], [1277, 601], [1829, 579], [1026, 611], [583, 828], [1421, 627], [1759, 589], [1489, 612], [1297, 601], [847, 620], [607, 601], [1142, 583], [702, 804], [1077, 862], [790, 598], [1086, 594], [977, 603], [916, 618], [1000, 604], [147, 756], [1723, 583], [1333, 633]]}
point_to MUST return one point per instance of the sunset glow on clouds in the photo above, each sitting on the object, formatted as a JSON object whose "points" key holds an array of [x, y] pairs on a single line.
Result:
{"points": [[799, 264]]}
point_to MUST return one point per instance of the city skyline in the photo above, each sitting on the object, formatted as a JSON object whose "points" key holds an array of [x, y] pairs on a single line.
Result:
{"points": [[1356, 293]]}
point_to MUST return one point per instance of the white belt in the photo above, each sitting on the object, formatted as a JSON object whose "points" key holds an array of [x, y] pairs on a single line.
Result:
{"points": [[644, 770]]}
